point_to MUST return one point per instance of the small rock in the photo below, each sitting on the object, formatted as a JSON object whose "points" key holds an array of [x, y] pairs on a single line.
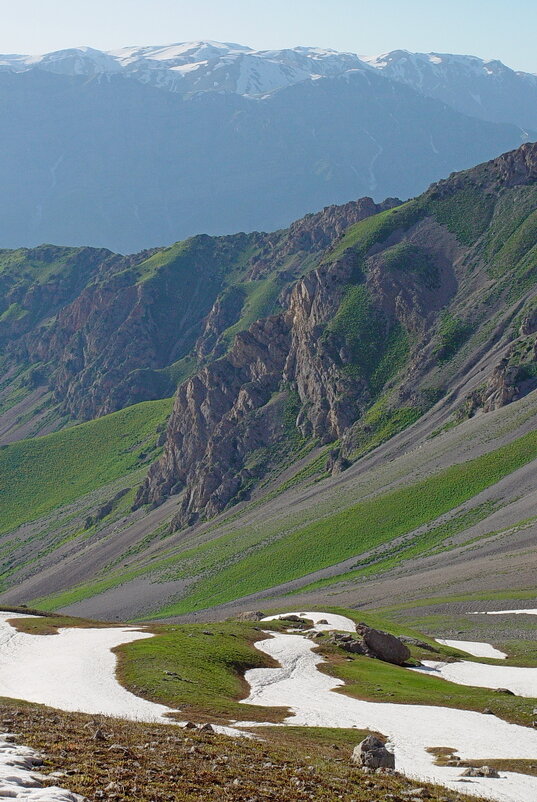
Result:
{"points": [[487, 711], [206, 728], [480, 771], [505, 690], [99, 736], [251, 615], [189, 726]]}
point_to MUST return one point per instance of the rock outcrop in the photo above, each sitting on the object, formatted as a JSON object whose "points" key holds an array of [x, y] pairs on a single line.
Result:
{"points": [[345, 328], [371, 753], [384, 646]]}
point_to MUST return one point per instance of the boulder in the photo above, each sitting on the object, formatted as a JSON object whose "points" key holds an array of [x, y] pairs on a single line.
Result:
{"points": [[385, 647], [251, 615], [371, 753]]}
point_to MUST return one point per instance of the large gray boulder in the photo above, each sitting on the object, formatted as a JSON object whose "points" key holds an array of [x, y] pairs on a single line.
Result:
{"points": [[371, 753], [384, 646]]}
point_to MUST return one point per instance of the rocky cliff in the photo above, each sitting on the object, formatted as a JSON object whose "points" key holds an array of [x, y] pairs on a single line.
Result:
{"points": [[104, 331], [369, 338]]}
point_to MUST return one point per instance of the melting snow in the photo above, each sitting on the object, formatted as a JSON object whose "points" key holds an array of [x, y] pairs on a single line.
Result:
{"points": [[411, 729], [474, 647], [74, 670], [506, 612], [19, 780]]}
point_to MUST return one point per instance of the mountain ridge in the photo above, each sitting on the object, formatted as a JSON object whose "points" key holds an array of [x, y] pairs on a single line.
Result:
{"points": [[358, 397], [245, 141]]}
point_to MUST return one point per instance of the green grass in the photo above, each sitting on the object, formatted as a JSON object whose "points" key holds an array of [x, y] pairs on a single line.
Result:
{"points": [[363, 235], [466, 213], [40, 474], [14, 312], [382, 682], [521, 241], [452, 334], [206, 671], [432, 540], [379, 424], [351, 532], [39, 264], [378, 349], [409, 258], [260, 301]]}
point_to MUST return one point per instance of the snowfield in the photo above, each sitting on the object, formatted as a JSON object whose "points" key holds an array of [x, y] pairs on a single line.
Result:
{"points": [[521, 681], [18, 780], [506, 612], [475, 648], [411, 729], [75, 670]]}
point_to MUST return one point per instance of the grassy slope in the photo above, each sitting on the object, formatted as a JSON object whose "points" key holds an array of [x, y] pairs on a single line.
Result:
{"points": [[41, 474], [198, 668], [357, 529], [246, 559]]}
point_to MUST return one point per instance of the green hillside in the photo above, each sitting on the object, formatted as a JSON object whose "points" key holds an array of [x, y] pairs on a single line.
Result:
{"points": [[43, 473]]}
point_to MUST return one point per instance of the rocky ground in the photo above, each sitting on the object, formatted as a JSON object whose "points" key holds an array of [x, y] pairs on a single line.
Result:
{"points": [[109, 759]]}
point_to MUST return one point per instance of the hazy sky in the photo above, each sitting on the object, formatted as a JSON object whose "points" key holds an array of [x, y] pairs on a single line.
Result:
{"points": [[504, 29]]}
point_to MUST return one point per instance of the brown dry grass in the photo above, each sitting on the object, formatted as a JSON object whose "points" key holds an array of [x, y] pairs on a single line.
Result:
{"points": [[159, 763]]}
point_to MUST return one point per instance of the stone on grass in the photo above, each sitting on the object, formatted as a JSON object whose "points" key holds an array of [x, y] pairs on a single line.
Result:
{"points": [[251, 615], [385, 647], [371, 753]]}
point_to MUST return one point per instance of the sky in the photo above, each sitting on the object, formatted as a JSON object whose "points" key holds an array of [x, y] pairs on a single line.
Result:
{"points": [[504, 29]]}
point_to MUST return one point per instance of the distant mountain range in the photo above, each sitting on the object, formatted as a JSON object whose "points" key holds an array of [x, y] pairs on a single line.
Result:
{"points": [[137, 147]]}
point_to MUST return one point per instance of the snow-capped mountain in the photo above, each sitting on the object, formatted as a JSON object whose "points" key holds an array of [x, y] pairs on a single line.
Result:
{"points": [[146, 145], [197, 66], [481, 88]]}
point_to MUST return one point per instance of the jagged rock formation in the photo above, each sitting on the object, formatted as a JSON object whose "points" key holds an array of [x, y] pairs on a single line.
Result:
{"points": [[383, 317], [340, 330], [104, 331]]}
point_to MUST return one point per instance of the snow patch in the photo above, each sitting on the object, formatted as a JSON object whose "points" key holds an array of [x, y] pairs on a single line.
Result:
{"points": [[506, 612], [19, 780], [75, 671], [474, 647], [334, 622], [411, 729], [521, 681]]}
